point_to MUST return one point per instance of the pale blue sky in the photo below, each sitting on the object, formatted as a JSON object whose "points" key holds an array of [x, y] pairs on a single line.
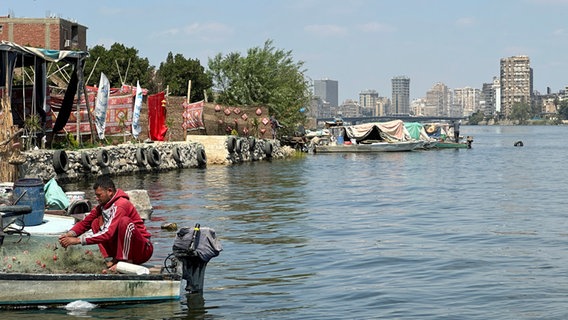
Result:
{"points": [[360, 43]]}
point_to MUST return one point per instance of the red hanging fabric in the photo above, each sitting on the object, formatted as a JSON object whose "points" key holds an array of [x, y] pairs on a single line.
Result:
{"points": [[157, 117]]}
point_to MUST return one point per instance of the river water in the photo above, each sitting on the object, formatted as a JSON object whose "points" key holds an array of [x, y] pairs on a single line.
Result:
{"points": [[445, 234]]}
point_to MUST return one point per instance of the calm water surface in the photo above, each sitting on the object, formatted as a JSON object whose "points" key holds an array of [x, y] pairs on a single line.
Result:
{"points": [[447, 234]]}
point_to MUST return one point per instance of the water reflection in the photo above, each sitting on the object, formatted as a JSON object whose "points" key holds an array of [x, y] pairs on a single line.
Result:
{"points": [[417, 235]]}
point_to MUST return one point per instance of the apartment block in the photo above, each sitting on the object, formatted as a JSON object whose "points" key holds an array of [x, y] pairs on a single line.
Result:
{"points": [[349, 109], [438, 101], [516, 82], [368, 100], [465, 102], [400, 103]]}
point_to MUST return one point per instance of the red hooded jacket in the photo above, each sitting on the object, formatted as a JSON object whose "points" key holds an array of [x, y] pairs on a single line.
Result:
{"points": [[118, 206]]}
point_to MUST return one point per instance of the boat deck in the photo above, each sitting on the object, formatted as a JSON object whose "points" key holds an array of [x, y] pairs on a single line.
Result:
{"points": [[52, 224]]}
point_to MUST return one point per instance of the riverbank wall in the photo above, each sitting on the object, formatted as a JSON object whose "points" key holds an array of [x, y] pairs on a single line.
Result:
{"points": [[134, 158]]}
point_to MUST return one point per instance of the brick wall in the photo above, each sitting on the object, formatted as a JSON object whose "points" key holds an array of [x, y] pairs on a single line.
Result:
{"points": [[49, 33]]}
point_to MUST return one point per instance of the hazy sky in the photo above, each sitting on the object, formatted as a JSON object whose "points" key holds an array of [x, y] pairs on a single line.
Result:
{"points": [[362, 44]]}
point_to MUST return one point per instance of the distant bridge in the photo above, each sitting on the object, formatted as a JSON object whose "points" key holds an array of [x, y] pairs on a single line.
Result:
{"points": [[359, 120]]}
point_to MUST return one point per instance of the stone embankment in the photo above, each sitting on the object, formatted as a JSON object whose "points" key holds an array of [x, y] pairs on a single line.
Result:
{"points": [[131, 158]]}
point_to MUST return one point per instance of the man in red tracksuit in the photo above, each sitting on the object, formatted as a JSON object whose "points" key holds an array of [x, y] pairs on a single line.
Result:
{"points": [[116, 227]]}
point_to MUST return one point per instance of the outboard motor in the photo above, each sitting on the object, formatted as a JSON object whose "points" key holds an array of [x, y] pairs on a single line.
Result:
{"points": [[194, 247]]}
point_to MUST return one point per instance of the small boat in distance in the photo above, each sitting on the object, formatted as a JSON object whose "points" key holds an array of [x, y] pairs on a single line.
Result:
{"points": [[391, 136], [380, 146], [444, 134], [454, 145]]}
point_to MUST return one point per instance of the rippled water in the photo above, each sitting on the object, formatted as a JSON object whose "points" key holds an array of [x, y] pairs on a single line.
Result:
{"points": [[447, 234]]}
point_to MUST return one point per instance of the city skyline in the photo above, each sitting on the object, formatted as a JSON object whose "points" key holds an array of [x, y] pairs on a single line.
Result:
{"points": [[362, 44], [425, 94], [514, 85]]}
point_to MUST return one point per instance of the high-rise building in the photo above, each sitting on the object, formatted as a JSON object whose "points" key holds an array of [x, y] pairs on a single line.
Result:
{"points": [[328, 91], [400, 103], [491, 97], [497, 90], [418, 106], [383, 104], [487, 101], [320, 108], [516, 82], [438, 101], [368, 100], [466, 102], [563, 93]]}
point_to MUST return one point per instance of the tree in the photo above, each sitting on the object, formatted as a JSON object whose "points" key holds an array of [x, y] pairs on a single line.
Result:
{"points": [[265, 76], [563, 109], [476, 117], [520, 112], [119, 64], [176, 71]]}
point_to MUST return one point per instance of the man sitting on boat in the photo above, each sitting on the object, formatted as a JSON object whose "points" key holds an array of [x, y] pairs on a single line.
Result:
{"points": [[116, 227]]}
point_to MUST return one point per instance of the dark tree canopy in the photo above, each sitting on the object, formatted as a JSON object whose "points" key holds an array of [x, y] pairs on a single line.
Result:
{"points": [[520, 112], [175, 73], [476, 117], [563, 109], [120, 64]]}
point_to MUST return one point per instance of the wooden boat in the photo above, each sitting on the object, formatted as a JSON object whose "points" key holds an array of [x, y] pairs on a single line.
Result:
{"points": [[19, 290], [443, 133], [451, 145], [398, 146], [417, 131], [33, 290], [183, 271], [429, 145]]}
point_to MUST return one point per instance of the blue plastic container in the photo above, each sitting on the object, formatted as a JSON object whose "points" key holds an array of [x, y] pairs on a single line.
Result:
{"points": [[33, 195], [340, 140]]}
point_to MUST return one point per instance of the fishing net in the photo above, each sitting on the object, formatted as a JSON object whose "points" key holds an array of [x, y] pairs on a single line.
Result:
{"points": [[45, 255]]}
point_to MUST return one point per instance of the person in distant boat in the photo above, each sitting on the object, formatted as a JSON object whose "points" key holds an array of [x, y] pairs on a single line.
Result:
{"points": [[115, 225], [456, 126], [275, 126]]}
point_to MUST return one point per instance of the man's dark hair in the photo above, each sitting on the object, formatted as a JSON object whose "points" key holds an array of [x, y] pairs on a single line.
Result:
{"points": [[104, 182]]}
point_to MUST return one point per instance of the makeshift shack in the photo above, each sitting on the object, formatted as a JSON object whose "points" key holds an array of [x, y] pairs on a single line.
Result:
{"points": [[24, 95]]}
